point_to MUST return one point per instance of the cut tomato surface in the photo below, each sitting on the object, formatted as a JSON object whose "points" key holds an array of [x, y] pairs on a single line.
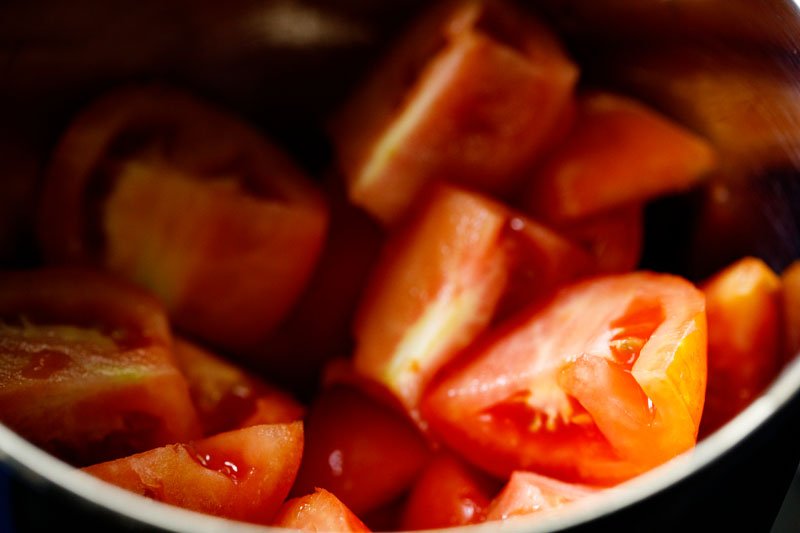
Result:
{"points": [[320, 511], [441, 280], [86, 368], [743, 303], [169, 192], [527, 493], [604, 382], [243, 474], [448, 493], [364, 453], [228, 397], [488, 88], [619, 152]]}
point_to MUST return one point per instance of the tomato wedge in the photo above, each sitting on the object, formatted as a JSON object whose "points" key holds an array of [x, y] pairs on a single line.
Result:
{"points": [[601, 384], [488, 89], [228, 397], [527, 492], [321, 511], [448, 493], [619, 152], [743, 303], [243, 474], [791, 310], [167, 191], [86, 367]]}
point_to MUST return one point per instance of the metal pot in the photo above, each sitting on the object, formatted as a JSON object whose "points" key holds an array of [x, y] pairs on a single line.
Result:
{"points": [[268, 60]]}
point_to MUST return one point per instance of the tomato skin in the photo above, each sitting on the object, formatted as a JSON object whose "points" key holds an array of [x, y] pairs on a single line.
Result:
{"points": [[228, 397], [620, 152], [320, 511], [349, 440], [489, 89], [448, 493], [744, 327], [151, 176], [527, 492], [507, 406], [87, 369], [243, 474], [790, 281]]}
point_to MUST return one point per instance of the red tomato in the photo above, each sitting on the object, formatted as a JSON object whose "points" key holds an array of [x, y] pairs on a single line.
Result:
{"points": [[528, 493], [604, 382], [442, 277], [615, 238], [86, 367], [791, 310], [473, 94], [321, 511], [183, 199], [619, 152], [228, 397], [743, 303], [448, 493], [243, 474], [359, 450]]}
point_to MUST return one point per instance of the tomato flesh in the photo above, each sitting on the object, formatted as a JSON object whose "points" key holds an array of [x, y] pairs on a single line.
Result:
{"points": [[320, 511], [790, 281], [744, 321], [490, 85], [243, 474], [527, 492], [87, 372], [568, 389]]}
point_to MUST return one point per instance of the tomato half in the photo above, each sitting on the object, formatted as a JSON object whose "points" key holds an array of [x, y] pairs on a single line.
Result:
{"points": [[619, 152], [167, 191], [472, 94], [87, 372], [228, 397], [604, 382], [743, 303], [320, 511], [527, 492], [243, 474], [364, 453]]}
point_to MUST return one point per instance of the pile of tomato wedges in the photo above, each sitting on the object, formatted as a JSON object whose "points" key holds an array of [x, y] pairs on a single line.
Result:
{"points": [[458, 294]]}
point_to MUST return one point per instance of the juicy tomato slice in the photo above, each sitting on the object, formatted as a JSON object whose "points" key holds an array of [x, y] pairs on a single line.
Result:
{"points": [[359, 450], [442, 277], [320, 511], [619, 152], [488, 90], [791, 310], [527, 493], [243, 474], [743, 303], [569, 389], [448, 493], [167, 191], [614, 238], [228, 397], [87, 372]]}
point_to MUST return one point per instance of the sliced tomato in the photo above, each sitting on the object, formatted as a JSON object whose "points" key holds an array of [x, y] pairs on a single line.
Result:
{"points": [[473, 94], [243, 474], [527, 493], [364, 453], [615, 238], [791, 310], [604, 382], [441, 279], [743, 303], [228, 397], [87, 372], [448, 493], [619, 152], [167, 191], [320, 511]]}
